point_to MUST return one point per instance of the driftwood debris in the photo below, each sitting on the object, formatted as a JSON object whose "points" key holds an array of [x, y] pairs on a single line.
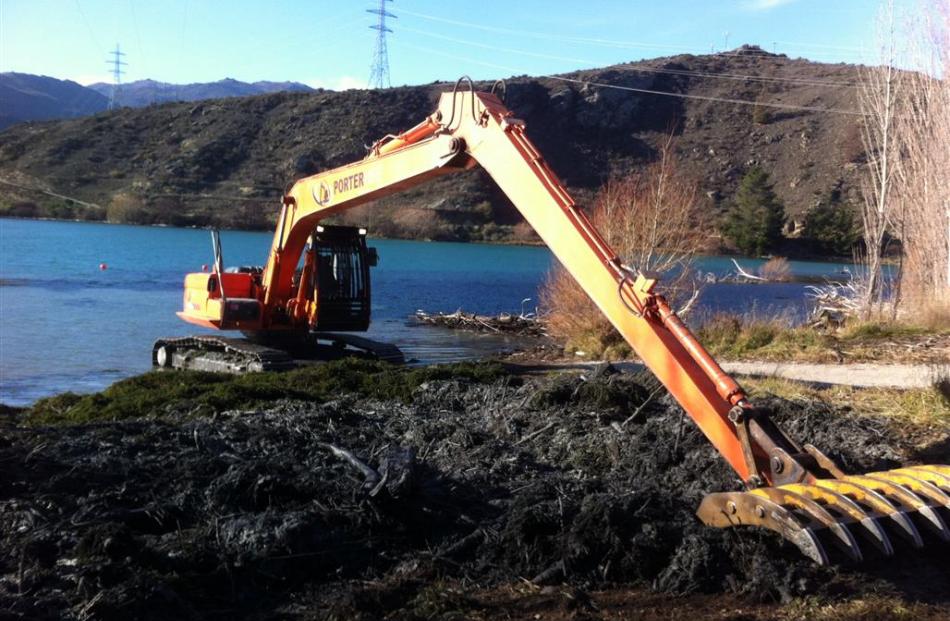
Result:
{"points": [[746, 275], [396, 474], [524, 325], [371, 476]]}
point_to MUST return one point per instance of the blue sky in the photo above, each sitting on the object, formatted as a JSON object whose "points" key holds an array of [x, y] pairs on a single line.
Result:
{"points": [[328, 43]]}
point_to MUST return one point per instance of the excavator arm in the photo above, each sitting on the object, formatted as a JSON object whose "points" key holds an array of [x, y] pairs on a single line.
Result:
{"points": [[796, 491]]}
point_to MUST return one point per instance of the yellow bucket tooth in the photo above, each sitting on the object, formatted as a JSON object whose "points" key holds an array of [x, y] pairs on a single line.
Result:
{"points": [[788, 498], [831, 498], [728, 509], [930, 474], [916, 484], [908, 499], [938, 468], [878, 503], [809, 514]]}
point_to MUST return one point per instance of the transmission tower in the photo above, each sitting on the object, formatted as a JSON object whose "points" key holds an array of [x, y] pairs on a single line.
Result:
{"points": [[379, 71], [116, 63]]}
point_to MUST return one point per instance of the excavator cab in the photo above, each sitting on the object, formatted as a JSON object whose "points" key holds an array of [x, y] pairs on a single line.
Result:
{"points": [[341, 278]]}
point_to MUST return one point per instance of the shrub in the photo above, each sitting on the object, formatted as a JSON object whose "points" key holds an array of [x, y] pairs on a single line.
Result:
{"points": [[523, 233], [755, 220], [831, 227], [125, 208], [653, 221], [21, 209], [776, 269]]}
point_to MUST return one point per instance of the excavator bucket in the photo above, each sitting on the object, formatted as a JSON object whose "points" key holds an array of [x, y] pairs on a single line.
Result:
{"points": [[831, 518]]}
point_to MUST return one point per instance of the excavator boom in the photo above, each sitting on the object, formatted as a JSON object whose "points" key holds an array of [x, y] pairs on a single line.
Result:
{"points": [[794, 490]]}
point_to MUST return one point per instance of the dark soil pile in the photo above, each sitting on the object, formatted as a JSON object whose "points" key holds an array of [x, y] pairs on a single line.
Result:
{"points": [[357, 506]]}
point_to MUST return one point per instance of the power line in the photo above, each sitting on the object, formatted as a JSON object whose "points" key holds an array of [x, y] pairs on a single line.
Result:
{"points": [[181, 42], [763, 104], [665, 71], [379, 71], [605, 42], [517, 71], [92, 35], [138, 39], [117, 63]]}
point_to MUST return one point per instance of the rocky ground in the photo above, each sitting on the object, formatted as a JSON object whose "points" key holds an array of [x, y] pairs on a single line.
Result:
{"points": [[471, 495]]}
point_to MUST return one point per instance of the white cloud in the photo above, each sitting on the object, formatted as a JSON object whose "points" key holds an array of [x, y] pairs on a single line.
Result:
{"points": [[342, 83], [765, 5]]}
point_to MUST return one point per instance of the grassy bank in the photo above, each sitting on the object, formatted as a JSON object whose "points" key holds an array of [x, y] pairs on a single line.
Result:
{"points": [[918, 406], [732, 337], [161, 393], [738, 337]]}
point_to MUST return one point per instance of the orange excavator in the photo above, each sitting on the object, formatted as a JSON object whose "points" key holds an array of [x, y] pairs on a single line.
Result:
{"points": [[790, 488]]}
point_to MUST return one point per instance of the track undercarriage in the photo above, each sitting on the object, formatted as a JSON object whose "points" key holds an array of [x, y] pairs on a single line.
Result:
{"points": [[241, 355]]}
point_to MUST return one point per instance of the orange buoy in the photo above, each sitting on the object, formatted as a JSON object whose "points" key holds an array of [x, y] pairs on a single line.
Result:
{"points": [[103, 267]]}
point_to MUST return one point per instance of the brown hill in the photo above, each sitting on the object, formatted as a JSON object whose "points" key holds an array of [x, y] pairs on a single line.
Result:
{"points": [[226, 161]]}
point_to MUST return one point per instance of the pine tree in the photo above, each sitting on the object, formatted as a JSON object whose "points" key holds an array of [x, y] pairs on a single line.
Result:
{"points": [[830, 225], [754, 222]]}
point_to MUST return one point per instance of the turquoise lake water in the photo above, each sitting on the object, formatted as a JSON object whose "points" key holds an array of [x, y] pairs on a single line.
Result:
{"points": [[67, 325]]}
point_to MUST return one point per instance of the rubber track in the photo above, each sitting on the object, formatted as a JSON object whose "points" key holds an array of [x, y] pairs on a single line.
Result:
{"points": [[269, 358]]}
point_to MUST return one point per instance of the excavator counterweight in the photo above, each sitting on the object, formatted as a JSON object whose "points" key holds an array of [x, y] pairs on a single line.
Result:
{"points": [[791, 489]]}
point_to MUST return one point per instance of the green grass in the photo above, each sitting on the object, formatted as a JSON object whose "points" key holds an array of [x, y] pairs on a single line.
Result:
{"points": [[883, 330], [733, 337], [918, 406], [161, 393]]}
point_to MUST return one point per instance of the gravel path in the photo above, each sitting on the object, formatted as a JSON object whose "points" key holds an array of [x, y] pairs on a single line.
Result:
{"points": [[863, 374]]}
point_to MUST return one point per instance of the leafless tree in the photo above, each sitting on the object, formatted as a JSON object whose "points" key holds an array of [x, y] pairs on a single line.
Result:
{"points": [[880, 93], [653, 221], [924, 170]]}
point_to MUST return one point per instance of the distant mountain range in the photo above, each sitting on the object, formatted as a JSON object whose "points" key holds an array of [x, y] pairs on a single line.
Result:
{"points": [[27, 97], [145, 92]]}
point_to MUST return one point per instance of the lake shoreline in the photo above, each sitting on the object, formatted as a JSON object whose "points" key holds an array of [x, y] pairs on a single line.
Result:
{"points": [[796, 254], [101, 323]]}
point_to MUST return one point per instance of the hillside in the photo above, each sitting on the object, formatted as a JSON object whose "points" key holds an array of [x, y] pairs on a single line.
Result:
{"points": [[146, 92], [226, 161], [25, 97]]}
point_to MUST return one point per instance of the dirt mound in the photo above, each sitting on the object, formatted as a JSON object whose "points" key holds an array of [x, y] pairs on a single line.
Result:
{"points": [[358, 505]]}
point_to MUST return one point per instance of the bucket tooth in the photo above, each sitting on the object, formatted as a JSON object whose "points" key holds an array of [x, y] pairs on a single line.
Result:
{"points": [[931, 474], [789, 498], [908, 499], [878, 503], [727, 509], [808, 515], [830, 497], [916, 484]]}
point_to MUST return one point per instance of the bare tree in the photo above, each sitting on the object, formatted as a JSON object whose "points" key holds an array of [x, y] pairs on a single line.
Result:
{"points": [[924, 171], [654, 222], [880, 100]]}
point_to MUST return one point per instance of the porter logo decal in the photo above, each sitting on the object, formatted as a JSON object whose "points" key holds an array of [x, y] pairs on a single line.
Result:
{"points": [[321, 194]]}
